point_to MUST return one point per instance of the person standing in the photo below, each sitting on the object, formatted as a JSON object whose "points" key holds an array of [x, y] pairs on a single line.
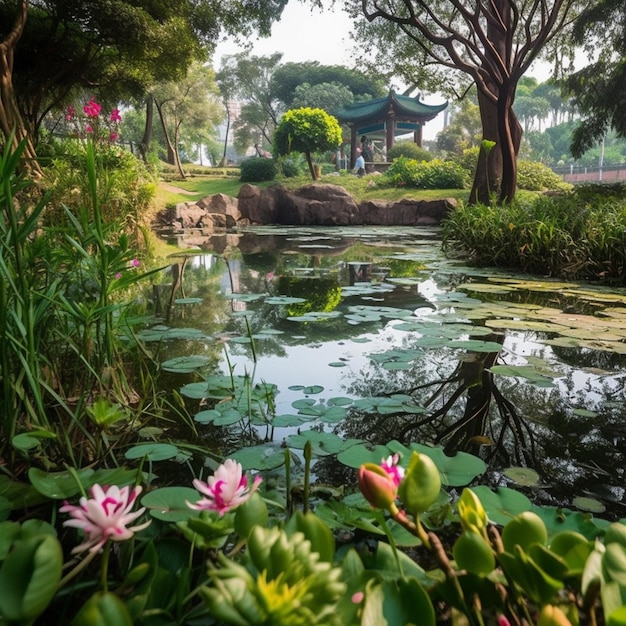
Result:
{"points": [[359, 164]]}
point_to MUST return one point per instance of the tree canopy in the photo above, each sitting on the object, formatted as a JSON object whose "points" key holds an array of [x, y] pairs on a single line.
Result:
{"points": [[307, 130], [599, 89], [491, 43], [52, 49]]}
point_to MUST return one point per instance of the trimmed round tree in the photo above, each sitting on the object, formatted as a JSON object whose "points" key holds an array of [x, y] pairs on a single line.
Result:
{"points": [[307, 130]]}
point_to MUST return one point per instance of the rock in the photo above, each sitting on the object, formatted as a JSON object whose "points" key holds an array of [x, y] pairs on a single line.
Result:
{"points": [[314, 204], [222, 204]]}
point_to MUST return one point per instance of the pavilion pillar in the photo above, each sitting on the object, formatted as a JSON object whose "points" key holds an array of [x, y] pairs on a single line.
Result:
{"points": [[390, 126], [353, 145], [417, 135]]}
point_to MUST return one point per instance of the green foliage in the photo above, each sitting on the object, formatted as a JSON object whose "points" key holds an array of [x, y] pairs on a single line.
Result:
{"points": [[292, 166], [126, 187], [307, 130], [560, 235], [435, 174], [61, 319], [257, 169], [408, 149], [533, 176]]}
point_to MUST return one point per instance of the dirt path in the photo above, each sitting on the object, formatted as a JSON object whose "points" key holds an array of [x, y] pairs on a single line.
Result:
{"points": [[174, 189]]}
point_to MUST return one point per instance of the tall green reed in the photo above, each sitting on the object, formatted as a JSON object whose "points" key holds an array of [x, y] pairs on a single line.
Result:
{"points": [[64, 320]]}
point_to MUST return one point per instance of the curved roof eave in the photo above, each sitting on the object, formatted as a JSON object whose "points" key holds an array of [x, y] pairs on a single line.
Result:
{"points": [[403, 107]]}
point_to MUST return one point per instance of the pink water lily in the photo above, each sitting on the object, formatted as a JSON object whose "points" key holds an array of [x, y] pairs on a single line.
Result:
{"points": [[104, 516], [225, 490], [392, 467]]}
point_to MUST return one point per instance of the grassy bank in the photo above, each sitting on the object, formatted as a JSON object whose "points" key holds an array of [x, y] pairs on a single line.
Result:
{"points": [[362, 189]]}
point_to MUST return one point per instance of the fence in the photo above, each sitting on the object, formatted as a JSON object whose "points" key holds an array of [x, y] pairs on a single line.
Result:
{"points": [[606, 174]]}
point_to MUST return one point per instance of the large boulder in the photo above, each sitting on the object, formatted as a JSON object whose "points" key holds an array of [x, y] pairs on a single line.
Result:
{"points": [[314, 204]]}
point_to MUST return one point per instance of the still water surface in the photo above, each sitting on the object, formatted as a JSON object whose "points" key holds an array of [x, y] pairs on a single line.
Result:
{"points": [[523, 371]]}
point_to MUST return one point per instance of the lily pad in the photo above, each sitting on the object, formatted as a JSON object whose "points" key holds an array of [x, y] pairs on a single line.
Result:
{"points": [[169, 504], [523, 476], [259, 458], [184, 364], [152, 451]]}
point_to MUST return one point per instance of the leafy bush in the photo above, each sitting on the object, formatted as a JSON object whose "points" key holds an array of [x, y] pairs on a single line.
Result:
{"points": [[467, 159], [126, 185], [256, 170], [292, 166], [435, 174], [534, 176], [408, 149], [560, 235]]}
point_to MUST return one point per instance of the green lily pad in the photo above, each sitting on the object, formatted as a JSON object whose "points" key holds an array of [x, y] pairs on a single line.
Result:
{"points": [[589, 504], [259, 458], [169, 504], [152, 451], [503, 504], [184, 364], [523, 476]]}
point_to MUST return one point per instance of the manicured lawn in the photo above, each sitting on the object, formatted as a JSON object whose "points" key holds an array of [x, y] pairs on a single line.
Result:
{"points": [[361, 189]]}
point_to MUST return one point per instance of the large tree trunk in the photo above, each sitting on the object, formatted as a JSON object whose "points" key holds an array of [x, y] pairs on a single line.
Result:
{"points": [[496, 171], [171, 152], [11, 122], [146, 140]]}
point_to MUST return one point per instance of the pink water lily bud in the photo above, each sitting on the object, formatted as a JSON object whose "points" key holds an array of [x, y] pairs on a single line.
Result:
{"points": [[378, 486], [225, 490], [104, 516]]}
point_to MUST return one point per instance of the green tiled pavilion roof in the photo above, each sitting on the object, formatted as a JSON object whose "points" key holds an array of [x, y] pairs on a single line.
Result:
{"points": [[404, 108]]}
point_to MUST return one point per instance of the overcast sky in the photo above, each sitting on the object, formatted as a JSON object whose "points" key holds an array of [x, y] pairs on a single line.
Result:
{"points": [[305, 34]]}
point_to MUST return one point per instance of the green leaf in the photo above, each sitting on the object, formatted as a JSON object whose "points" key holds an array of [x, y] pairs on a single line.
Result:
{"points": [[170, 503], [104, 608], [29, 578], [259, 457], [152, 451], [503, 504]]}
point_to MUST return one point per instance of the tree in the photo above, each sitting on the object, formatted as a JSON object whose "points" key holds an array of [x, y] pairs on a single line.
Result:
{"points": [[491, 43], [464, 129], [11, 123], [599, 90], [307, 130], [289, 76], [193, 101], [328, 96], [117, 49], [250, 80]]}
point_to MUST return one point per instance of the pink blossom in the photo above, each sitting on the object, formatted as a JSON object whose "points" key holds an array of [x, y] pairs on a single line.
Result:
{"points": [[136, 262], [225, 490], [357, 597], [115, 116], [92, 108], [88, 128], [104, 516], [113, 137], [390, 465], [70, 113], [118, 275]]}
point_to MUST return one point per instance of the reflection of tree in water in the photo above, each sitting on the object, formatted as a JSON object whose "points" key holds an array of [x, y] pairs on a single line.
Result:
{"points": [[321, 293], [505, 422]]}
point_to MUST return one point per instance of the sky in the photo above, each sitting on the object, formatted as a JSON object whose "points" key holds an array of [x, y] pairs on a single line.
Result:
{"points": [[306, 34]]}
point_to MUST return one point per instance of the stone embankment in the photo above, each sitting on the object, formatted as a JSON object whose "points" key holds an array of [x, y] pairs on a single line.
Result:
{"points": [[315, 204]]}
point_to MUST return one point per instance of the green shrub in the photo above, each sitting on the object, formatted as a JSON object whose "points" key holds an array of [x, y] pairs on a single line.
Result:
{"points": [[408, 149], [292, 166], [534, 176], [595, 191], [561, 235], [256, 170], [126, 185], [435, 174], [466, 159]]}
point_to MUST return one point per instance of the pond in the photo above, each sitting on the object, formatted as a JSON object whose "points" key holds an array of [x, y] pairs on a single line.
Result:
{"points": [[352, 338]]}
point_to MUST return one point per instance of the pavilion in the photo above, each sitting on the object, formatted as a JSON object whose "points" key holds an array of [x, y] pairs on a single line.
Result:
{"points": [[387, 117]]}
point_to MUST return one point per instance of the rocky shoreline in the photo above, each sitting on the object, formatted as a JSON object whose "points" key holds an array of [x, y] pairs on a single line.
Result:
{"points": [[315, 204]]}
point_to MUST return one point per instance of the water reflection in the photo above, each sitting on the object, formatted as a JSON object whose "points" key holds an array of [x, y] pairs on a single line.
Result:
{"points": [[372, 313]]}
